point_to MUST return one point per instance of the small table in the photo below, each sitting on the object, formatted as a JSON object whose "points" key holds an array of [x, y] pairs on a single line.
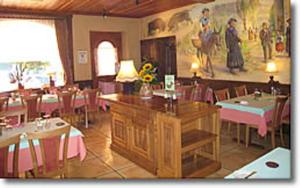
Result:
{"points": [[248, 110], [279, 155]]}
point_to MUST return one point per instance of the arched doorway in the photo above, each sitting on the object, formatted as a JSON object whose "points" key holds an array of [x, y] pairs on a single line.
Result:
{"points": [[108, 43]]}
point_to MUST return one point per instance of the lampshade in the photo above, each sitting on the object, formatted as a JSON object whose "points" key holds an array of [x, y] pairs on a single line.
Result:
{"points": [[271, 67], [127, 72], [194, 67]]}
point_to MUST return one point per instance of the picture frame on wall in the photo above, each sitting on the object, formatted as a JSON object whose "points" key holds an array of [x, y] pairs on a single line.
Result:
{"points": [[82, 56]]}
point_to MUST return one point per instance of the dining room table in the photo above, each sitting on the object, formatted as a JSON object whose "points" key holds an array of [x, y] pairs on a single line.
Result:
{"points": [[49, 103], [76, 146], [251, 110], [275, 164]]}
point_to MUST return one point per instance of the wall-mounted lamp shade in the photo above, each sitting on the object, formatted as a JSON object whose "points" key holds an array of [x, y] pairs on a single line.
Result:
{"points": [[271, 67], [127, 72], [194, 67]]}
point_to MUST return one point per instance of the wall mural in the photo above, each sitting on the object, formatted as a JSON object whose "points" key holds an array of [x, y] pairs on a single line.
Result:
{"points": [[230, 40]]}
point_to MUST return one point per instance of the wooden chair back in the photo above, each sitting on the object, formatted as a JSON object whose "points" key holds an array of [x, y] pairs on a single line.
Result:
{"points": [[54, 160], [4, 153], [91, 98], [222, 94], [25, 92], [161, 85], [66, 100], [3, 104], [278, 110], [186, 92], [71, 87], [241, 91], [200, 92], [33, 105]]}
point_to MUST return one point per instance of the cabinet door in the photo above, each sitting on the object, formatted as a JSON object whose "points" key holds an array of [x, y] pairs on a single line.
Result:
{"points": [[142, 139], [120, 130]]}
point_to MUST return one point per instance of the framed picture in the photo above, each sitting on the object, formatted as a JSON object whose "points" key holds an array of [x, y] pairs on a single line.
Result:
{"points": [[82, 57]]}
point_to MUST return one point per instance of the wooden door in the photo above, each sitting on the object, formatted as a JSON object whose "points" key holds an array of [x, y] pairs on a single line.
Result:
{"points": [[163, 50], [95, 39]]}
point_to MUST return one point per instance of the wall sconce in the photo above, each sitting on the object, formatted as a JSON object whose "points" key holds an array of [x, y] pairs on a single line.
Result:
{"points": [[271, 67], [194, 69]]}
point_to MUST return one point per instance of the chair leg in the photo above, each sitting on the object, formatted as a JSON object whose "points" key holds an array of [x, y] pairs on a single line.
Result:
{"points": [[281, 136], [229, 127], [273, 138], [238, 131], [247, 135]]}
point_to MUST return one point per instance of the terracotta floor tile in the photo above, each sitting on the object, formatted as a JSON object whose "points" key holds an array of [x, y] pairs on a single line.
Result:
{"points": [[116, 161], [136, 172], [88, 169], [110, 176]]}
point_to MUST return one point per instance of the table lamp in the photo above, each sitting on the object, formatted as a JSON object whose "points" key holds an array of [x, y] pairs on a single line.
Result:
{"points": [[127, 75], [194, 69]]}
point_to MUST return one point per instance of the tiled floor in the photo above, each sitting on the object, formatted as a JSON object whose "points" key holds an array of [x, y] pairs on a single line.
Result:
{"points": [[103, 163]]}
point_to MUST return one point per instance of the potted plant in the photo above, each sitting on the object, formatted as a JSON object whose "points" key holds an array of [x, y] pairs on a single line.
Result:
{"points": [[16, 76]]}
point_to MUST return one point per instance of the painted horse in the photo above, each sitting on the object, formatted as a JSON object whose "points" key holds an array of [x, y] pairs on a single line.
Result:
{"points": [[207, 47]]}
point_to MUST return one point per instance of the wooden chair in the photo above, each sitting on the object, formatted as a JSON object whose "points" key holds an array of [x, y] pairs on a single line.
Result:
{"points": [[66, 100], [71, 87], [158, 86], [186, 92], [200, 92], [241, 91], [4, 153], [3, 104], [25, 92], [222, 95], [54, 163], [275, 124], [14, 116], [33, 106], [91, 104]]}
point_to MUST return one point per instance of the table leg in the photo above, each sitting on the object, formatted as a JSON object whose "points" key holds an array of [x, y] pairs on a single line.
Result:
{"points": [[86, 118]]}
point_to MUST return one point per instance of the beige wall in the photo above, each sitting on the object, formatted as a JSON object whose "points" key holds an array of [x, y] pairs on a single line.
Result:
{"points": [[82, 25]]}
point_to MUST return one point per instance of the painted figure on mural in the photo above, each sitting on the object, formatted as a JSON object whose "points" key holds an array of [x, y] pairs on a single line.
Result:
{"points": [[205, 33], [235, 58], [265, 36], [279, 46], [204, 20], [288, 37]]}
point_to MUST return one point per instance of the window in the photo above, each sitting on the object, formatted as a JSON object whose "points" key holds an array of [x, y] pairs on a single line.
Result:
{"points": [[107, 59], [31, 44]]}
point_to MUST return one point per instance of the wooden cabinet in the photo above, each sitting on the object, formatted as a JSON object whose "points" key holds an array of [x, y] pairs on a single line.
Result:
{"points": [[178, 142], [120, 134], [133, 135]]}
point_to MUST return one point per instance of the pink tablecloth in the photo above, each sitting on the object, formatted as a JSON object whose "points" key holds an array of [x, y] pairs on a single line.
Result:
{"points": [[251, 118]]}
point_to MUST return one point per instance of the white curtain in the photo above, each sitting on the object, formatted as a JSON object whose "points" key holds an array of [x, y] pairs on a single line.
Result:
{"points": [[23, 40]]}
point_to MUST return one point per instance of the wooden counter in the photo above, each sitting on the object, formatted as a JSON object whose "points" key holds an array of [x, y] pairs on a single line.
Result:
{"points": [[175, 141]]}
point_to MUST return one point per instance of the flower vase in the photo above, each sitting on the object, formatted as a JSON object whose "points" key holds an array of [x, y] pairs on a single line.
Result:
{"points": [[146, 91], [20, 86]]}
